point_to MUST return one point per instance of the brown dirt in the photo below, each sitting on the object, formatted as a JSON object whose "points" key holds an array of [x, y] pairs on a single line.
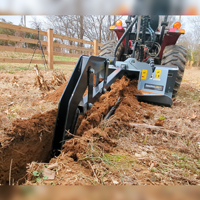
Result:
{"points": [[95, 135], [28, 140], [112, 152], [129, 110], [123, 88], [89, 125], [56, 95], [24, 131], [19, 98]]}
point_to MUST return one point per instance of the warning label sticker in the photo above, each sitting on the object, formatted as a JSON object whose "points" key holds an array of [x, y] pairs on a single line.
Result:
{"points": [[158, 74], [144, 74]]}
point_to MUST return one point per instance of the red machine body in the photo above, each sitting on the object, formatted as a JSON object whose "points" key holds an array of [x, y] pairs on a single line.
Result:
{"points": [[170, 38]]}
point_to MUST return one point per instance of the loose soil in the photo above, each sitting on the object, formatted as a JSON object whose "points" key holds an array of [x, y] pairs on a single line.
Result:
{"points": [[56, 95], [28, 140], [126, 149], [26, 123]]}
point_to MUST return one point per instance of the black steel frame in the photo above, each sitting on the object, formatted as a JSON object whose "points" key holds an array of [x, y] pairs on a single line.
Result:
{"points": [[72, 102]]}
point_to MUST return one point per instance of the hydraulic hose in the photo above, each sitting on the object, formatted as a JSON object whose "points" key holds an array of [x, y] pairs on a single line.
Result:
{"points": [[144, 28], [124, 35], [134, 48]]}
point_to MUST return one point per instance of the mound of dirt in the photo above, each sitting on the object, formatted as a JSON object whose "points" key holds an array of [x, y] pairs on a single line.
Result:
{"points": [[96, 136], [56, 95], [93, 125], [128, 109], [28, 140]]}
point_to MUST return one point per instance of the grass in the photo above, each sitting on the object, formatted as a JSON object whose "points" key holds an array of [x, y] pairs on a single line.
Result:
{"points": [[187, 166], [190, 86], [12, 68], [16, 108], [2, 68], [66, 68], [179, 157], [185, 163], [153, 169], [145, 140], [114, 163], [114, 158], [161, 118], [125, 162], [61, 58], [189, 94], [39, 176], [11, 116]]}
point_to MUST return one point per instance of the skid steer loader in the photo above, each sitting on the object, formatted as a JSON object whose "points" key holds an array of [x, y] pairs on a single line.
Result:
{"points": [[143, 52]]}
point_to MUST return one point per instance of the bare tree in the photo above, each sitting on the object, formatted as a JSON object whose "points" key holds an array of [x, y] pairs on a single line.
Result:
{"points": [[194, 33], [98, 27], [35, 23], [69, 25], [88, 27], [191, 40]]}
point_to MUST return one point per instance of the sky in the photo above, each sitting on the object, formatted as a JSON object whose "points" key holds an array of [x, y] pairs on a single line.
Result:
{"points": [[16, 19]]}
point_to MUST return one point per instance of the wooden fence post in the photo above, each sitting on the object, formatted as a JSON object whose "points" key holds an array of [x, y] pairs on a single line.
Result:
{"points": [[95, 48], [50, 47]]}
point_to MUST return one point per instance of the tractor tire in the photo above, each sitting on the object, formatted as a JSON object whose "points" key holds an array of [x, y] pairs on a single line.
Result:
{"points": [[109, 48], [175, 55]]}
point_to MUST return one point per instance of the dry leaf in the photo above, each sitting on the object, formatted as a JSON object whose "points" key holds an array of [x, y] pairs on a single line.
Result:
{"points": [[152, 166], [49, 173], [53, 166], [159, 123], [137, 169], [138, 155], [193, 118], [115, 182]]}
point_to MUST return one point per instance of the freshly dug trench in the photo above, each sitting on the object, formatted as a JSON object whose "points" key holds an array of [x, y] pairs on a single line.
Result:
{"points": [[91, 126], [28, 140], [96, 136]]}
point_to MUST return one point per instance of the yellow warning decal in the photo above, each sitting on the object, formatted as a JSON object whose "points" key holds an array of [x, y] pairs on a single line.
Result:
{"points": [[158, 74], [144, 74]]}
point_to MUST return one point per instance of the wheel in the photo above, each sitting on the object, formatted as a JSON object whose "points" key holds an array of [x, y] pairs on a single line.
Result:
{"points": [[109, 47], [175, 55]]}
